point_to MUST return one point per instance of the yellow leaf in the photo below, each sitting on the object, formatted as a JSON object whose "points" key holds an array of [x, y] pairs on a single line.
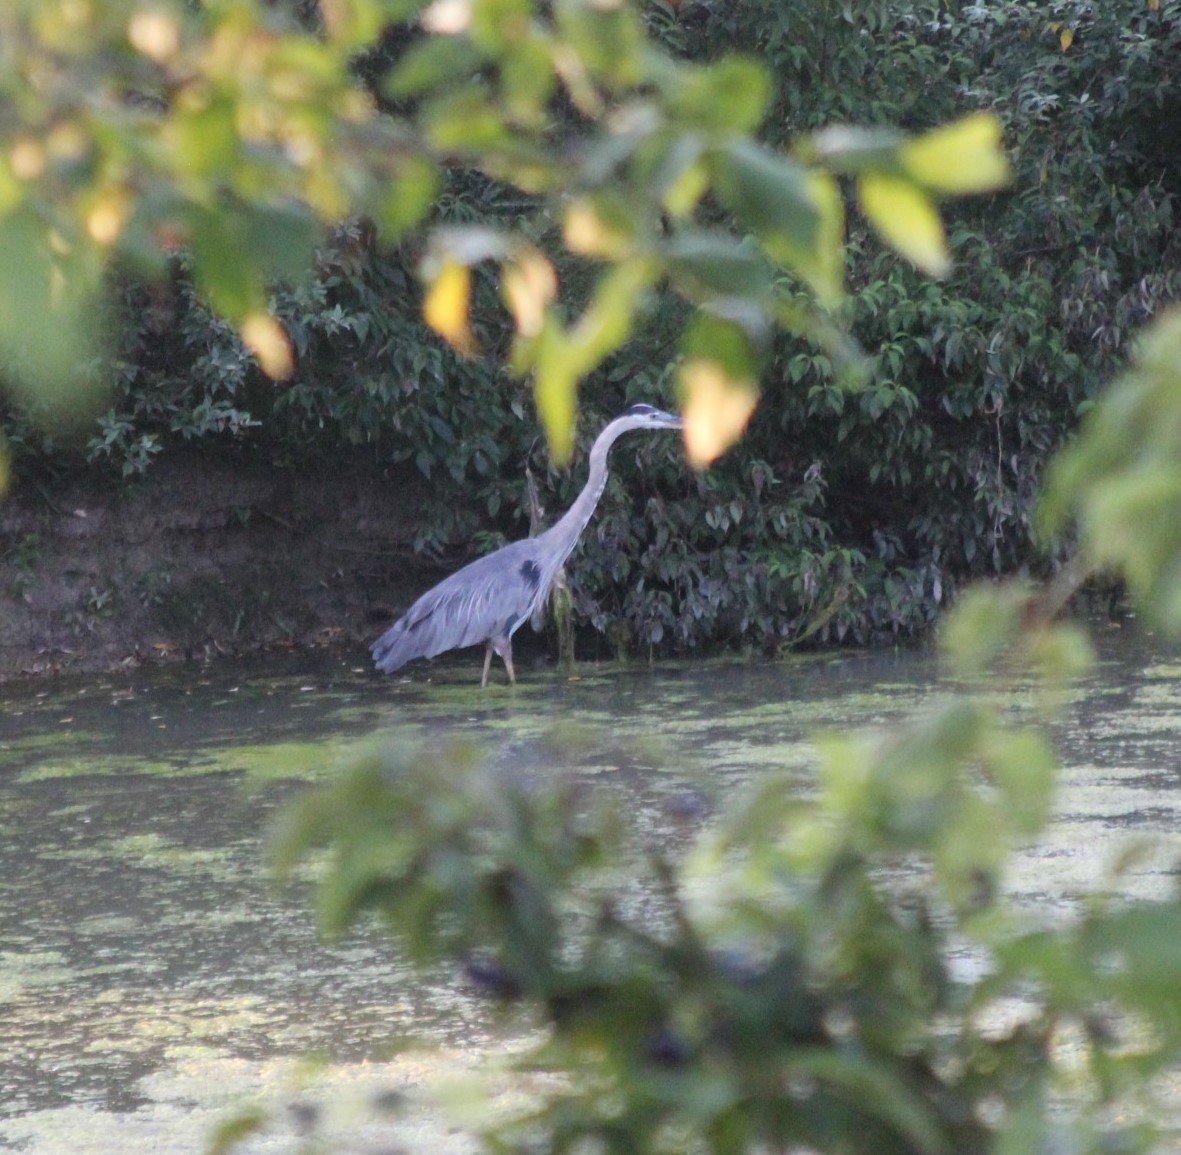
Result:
{"points": [[268, 341], [1153, 5], [448, 17], [27, 159], [530, 283], [586, 232], [108, 215], [716, 409], [1065, 38], [684, 194], [907, 220], [352, 22], [155, 33], [826, 271], [555, 388], [446, 306], [962, 157]]}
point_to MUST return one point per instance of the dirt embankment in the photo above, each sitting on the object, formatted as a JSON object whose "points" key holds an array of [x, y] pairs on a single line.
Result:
{"points": [[202, 556]]}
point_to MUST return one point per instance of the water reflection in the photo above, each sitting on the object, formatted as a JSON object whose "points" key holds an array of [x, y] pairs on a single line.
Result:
{"points": [[139, 937]]}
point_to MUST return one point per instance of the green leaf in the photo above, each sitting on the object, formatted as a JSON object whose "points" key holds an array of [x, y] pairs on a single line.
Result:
{"points": [[608, 40], [682, 177], [499, 26], [1023, 766], [983, 625], [1061, 654], [1131, 523], [282, 238], [732, 94], [528, 81], [851, 150], [356, 23], [229, 1133], [561, 356], [1137, 947], [223, 263], [704, 263], [607, 321], [710, 337], [874, 1088], [822, 265], [48, 329], [769, 193], [797, 214], [204, 140], [466, 122], [436, 62], [415, 187], [1024, 1128]]}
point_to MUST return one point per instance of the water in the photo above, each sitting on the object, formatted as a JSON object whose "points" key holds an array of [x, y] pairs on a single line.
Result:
{"points": [[151, 976]]}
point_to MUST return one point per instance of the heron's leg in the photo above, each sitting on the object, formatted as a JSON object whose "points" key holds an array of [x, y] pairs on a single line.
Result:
{"points": [[504, 647], [487, 663]]}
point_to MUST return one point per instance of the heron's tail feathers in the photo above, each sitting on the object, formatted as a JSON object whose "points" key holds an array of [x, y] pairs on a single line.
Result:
{"points": [[414, 635], [394, 648]]}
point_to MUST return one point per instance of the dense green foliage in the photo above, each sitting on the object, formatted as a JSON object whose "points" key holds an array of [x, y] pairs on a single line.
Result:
{"points": [[930, 472], [842, 514]]}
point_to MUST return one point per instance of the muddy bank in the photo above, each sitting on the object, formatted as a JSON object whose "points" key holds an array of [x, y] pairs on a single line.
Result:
{"points": [[204, 556]]}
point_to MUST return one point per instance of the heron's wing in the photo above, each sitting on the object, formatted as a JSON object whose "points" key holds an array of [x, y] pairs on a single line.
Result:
{"points": [[487, 599]]}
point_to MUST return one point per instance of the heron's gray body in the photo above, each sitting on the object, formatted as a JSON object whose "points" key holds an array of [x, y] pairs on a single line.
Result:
{"points": [[483, 602], [489, 598]]}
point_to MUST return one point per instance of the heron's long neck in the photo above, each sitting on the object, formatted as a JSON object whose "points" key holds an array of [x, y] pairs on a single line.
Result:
{"points": [[564, 533]]}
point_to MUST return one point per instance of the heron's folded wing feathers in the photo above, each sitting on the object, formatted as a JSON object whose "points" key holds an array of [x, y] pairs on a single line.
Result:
{"points": [[486, 599]]}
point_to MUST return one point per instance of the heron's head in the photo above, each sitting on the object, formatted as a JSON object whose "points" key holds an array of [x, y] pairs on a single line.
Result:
{"points": [[649, 417]]}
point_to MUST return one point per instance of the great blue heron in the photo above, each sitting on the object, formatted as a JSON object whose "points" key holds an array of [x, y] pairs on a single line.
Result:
{"points": [[489, 598]]}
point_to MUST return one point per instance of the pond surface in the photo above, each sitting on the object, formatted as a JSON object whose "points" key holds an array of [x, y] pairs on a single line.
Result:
{"points": [[152, 978]]}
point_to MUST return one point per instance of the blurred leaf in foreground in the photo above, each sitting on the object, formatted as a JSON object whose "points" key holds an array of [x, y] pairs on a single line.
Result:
{"points": [[963, 157], [1120, 482], [907, 220], [716, 408], [446, 306], [49, 335]]}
